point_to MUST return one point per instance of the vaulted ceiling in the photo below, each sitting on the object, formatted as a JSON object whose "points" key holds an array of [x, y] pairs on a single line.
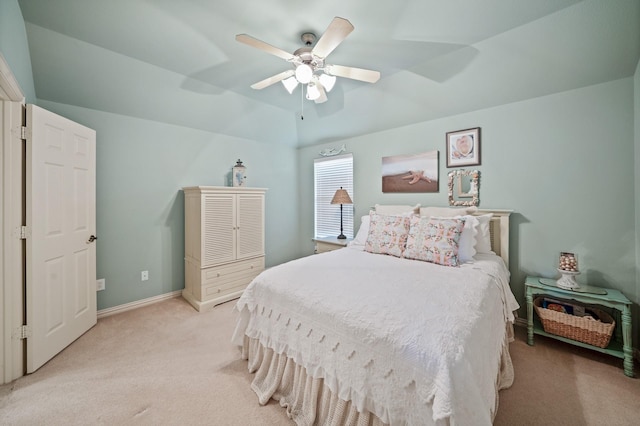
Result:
{"points": [[177, 61]]}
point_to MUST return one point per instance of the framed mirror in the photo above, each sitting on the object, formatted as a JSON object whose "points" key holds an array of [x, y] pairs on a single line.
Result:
{"points": [[464, 187]]}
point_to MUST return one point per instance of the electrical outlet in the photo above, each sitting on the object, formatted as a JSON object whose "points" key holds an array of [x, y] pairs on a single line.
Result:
{"points": [[101, 284], [144, 276]]}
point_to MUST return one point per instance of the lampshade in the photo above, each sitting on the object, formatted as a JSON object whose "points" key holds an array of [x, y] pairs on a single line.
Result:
{"points": [[290, 84], [341, 197], [313, 91], [304, 73], [327, 81]]}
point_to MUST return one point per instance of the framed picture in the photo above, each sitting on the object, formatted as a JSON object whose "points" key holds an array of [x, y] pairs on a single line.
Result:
{"points": [[410, 173], [463, 147]]}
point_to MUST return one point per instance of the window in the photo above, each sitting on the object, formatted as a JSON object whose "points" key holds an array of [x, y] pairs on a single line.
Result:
{"points": [[329, 175]]}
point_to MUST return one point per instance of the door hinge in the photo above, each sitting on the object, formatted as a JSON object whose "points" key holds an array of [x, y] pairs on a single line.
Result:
{"points": [[21, 232], [23, 332], [24, 133]]}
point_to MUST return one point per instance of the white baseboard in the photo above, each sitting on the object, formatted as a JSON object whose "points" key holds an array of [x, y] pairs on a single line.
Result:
{"points": [[137, 304]]}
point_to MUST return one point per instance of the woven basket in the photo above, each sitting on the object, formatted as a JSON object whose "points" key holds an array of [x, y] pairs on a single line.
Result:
{"points": [[596, 333]]}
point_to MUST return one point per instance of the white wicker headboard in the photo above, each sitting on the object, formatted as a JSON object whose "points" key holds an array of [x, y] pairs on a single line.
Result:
{"points": [[499, 232]]}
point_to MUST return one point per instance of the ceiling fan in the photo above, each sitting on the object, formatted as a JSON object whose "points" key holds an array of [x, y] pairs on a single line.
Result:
{"points": [[309, 66]]}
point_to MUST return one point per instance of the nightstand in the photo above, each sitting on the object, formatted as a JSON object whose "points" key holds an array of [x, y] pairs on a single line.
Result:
{"points": [[325, 244], [611, 298]]}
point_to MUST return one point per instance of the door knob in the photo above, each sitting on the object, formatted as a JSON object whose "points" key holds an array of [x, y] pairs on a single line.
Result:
{"points": [[92, 239]]}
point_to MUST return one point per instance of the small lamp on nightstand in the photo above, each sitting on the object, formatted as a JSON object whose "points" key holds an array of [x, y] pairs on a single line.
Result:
{"points": [[341, 197]]}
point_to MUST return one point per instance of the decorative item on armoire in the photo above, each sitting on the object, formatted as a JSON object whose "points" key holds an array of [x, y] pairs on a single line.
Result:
{"points": [[239, 174]]}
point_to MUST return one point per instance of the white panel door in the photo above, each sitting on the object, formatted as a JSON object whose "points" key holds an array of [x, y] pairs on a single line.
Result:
{"points": [[61, 221]]}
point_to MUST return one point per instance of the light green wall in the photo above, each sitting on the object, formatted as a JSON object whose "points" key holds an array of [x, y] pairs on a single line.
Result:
{"points": [[15, 48], [141, 166], [563, 163], [636, 118]]}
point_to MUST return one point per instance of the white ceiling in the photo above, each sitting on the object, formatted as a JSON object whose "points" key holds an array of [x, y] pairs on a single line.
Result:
{"points": [[177, 61]]}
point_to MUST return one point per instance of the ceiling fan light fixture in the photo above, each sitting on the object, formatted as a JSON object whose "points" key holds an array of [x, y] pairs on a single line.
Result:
{"points": [[290, 84], [309, 67], [327, 81], [304, 73]]}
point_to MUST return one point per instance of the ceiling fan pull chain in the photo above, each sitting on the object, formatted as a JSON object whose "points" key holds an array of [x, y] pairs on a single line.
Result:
{"points": [[301, 103]]}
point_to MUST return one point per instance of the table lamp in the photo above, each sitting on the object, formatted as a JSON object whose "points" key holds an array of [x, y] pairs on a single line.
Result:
{"points": [[341, 197]]}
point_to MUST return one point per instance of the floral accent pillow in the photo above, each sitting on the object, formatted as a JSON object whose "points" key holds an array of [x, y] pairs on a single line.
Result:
{"points": [[387, 234], [434, 240]]}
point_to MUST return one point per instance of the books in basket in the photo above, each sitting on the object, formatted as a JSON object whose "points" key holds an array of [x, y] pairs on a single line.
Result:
{"points": [[566, 307]]}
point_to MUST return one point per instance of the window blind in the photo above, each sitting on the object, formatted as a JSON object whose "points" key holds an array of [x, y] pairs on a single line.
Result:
{"points": [[329, 175]]}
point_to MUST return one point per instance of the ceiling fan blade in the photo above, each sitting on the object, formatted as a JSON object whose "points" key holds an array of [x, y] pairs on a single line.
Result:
{"points": [[337, 31], [273, 79], [353, 73], [259, 44]]}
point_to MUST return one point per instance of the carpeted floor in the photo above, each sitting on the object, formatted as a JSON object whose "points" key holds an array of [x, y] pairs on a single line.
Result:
{"points": [[167, 364]]}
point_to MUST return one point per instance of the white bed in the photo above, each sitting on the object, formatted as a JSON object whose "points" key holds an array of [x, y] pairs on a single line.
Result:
{"points": [[352, 337]]}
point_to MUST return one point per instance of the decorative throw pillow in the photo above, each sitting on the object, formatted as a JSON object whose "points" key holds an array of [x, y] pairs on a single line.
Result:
{"points": [[387, 234], [483, 237], [434, 240]]}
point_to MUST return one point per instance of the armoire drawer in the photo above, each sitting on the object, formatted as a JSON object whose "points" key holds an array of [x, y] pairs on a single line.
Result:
{"points": [[218, 281], [222, 274]]}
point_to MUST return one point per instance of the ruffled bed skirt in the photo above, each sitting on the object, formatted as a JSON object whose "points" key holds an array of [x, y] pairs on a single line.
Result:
{"points": [[309, 401]]}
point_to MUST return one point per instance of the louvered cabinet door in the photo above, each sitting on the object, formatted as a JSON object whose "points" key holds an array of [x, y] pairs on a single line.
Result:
{"points": [[250, 225], [218, 229]]}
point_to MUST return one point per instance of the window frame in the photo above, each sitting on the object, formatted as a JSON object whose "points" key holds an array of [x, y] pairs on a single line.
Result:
{"points": [[326, 216]]}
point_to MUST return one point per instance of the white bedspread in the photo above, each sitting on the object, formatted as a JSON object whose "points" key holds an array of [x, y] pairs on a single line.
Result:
{"points": [[403, 339]]}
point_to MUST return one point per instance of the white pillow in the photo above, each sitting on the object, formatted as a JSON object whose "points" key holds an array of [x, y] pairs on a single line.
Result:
{"points": [[447, 211], [483, 237], [393, 210], [468, 238], [363, 232]]}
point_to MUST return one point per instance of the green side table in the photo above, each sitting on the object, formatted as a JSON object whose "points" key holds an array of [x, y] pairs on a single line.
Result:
{"points": [[600, 296]]}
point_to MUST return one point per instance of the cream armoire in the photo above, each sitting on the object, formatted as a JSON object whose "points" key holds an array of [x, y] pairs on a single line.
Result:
{"points": [[224, 242]]}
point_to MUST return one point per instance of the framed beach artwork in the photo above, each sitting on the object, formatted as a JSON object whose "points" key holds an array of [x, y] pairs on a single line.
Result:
{"points": [[463, 147], [410, 173]]}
